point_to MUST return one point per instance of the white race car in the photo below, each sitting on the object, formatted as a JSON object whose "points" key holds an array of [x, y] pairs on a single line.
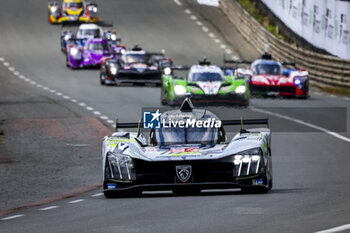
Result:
{"points": [[187, 159]]}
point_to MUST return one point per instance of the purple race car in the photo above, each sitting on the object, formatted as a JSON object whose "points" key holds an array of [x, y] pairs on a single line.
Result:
{"points": [[88, 55]]}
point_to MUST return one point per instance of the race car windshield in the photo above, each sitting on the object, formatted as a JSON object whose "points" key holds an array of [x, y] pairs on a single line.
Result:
{"points": [[98, 46], [189, 135], [205, 77], [135, 58], [274, 69], [89, 33], [73, 5]]}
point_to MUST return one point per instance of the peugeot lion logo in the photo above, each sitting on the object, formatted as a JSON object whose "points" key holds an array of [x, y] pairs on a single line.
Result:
{"points": [[183, 172]]}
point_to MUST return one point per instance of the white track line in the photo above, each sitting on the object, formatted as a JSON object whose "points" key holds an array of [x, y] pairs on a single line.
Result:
{"points": [[97, 195], [334, 134], [76, 201], [13, 217], [187, 11], [178, 2], [97, 113], [199, 23], [193, 17], [6, 64], [110, 121], [336, 229], [49, 208]]}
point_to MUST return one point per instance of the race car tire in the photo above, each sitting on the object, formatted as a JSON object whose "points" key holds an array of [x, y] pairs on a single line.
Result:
{"points": [[102, 82], [163, 100]]}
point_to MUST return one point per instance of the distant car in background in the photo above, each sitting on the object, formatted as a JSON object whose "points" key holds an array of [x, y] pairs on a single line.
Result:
{"points": [[72, 11], [84, 32], [269, 77], [208, 84], [134, 66], [90, 54]]}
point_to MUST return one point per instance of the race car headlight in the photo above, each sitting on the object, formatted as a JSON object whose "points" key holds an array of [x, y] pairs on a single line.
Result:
{"points": [[179, 90], [300, 80], [113, 70], [54, 9], [94, 9], [122, 51], [247, 162], [67, 37], [74, 51], [113, 37], [167, 71], [240, 89], [121, 167]]}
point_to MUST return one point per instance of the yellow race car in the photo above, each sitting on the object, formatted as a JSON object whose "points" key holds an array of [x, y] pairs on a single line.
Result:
{"points": [[72, 11]]}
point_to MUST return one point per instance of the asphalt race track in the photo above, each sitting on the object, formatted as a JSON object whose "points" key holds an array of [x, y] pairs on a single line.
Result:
{"points": [[311, 165]]}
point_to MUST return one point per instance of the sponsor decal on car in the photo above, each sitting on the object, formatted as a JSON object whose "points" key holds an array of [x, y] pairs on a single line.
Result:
{"points": [[258, 182], [152, 120], [112, 186]]}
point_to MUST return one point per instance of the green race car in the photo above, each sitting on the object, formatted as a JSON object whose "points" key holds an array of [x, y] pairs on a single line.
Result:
{"points": [[208, 84]]}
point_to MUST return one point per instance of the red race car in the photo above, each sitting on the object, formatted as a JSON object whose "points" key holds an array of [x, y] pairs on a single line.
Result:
{"points": [[268, 77]]}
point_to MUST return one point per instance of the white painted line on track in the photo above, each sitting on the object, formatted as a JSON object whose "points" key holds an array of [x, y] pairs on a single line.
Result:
{"points": [[217, 41], [22, 77], [11, 68], [178, 2], [52, 90], [336, 229], [49, 208], [59, 93], [89, 108], [16, 73], [74, 100], [76, 201], [228, 51], [187, 11], [46, 88], [193, 17], [110, 121], [97, 113], [97, 195], [223, 46], [32, 82], [6, 64], [205, 29], [212, 35], [104, 117], [66, 97], [39, 85], [82, 104], [13, 217], [2, 59], [334, 134], [346, 98], [199, 23]]}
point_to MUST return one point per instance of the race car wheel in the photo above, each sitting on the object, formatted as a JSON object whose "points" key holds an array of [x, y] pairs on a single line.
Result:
{"points": [[163, 100], [102, 79]]}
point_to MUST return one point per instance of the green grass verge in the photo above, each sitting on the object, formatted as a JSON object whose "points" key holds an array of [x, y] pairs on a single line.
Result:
{"points": [[249, 6]]}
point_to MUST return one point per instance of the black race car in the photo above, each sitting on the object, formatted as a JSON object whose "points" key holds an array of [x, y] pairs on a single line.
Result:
{"points": [[134, 66]]}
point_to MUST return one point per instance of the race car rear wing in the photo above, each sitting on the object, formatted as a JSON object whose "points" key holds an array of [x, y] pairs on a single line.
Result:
{"points": [[224, 122]]}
